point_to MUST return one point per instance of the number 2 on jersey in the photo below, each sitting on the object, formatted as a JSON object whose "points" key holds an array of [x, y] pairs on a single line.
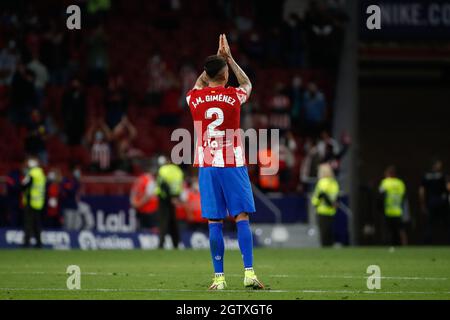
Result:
{"points": [[212, 132]]}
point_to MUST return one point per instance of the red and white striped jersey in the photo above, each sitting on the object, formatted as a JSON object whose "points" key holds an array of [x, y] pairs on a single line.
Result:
{"points": [[216, 115], [101, 154]]}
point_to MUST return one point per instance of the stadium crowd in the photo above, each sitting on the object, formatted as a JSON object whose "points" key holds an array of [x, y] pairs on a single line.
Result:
{"points": [[84, 98], [104, 100]]}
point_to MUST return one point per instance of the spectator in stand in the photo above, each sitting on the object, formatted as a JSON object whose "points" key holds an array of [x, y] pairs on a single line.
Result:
{"points": [[55, 52], [434, 203], [41, 77], [98, 61], [116, 101], [124, 130], [52, 218], [319, 28], [327, 146], [123, 136], [331, 152], [73, 109], [279, 109], [324, 29], [297, 96], [315, 109], [99, 138], [70, 196], [294, 41], [35, 141], [310, 164], [144, 200], [157, 81], [8, 61], [23, 95]]}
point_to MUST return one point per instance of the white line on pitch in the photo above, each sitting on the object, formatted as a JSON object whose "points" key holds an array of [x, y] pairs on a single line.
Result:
{"points": [[84, 273], [236, 275], [391, 278], [201, 291]]}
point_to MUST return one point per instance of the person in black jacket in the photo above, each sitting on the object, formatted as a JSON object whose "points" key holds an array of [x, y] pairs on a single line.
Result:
{"points": [[73, 110], [434, 202]]}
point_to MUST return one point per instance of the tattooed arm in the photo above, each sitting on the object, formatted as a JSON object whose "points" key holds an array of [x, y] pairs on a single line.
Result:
{"points": [[202, 81], [243, 79]]}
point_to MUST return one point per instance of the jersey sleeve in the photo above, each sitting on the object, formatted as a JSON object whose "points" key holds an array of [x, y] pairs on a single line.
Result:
{"points": [[242, 95], [189, 95]]}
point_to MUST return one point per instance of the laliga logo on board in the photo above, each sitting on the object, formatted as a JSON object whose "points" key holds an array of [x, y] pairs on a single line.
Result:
{"points": [[116, 222], [111, 222]]}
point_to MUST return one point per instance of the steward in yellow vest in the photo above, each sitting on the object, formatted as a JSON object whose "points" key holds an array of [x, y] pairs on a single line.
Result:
{"points": [[324, 199], [33, 184], [393, 191], [169, 187]]}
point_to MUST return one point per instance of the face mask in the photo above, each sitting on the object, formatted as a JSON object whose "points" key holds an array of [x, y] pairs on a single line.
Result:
{"points": [[297, 82], [99, 136], [77, 174], [51, 176]]}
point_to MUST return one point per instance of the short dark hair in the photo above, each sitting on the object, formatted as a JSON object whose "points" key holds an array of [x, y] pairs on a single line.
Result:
{"points": [[213, 65], [391, 170]]}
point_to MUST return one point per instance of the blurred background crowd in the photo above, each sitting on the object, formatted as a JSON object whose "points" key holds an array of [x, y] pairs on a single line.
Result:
{"points": [[101, 103], [84, 98]]}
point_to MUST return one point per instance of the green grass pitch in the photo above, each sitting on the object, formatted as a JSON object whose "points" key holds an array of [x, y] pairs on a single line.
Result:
{"points": [[406, 273]]}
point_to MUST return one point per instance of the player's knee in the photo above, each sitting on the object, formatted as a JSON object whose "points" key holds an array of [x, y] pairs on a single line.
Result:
{"points": [[215, 221], [241, 216]]}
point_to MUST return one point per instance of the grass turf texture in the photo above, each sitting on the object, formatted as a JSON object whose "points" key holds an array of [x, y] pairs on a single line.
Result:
{"points": [[407, 273]]}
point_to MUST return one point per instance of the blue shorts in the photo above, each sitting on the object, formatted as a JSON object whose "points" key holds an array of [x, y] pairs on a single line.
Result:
{"points": [[225, 191]]}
